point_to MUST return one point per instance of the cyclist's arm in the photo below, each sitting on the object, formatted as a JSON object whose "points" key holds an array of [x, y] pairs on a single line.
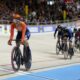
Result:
{"points": [[55, 32], [23, 32], [11, 32]]}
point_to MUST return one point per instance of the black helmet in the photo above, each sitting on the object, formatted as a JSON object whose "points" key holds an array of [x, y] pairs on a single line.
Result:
{"points": [[75, 29], [59, 26]]}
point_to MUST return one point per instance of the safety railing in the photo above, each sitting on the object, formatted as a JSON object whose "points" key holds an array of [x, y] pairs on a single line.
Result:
{"points": [[39, 27], [76, 22]]}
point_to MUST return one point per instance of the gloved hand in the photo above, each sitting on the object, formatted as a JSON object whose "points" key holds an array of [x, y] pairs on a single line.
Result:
{"points": [[9, 42], [22, 42]]}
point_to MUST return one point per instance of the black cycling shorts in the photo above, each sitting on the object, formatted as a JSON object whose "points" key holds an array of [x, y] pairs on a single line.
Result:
{"points": [[19, 35]]}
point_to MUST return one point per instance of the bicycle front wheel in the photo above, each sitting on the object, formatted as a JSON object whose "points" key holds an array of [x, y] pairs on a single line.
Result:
{"points": [[16, 58]]}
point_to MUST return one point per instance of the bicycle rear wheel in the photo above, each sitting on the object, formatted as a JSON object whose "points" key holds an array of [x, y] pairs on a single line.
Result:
{"points": [[27, 59], [16, 58]]}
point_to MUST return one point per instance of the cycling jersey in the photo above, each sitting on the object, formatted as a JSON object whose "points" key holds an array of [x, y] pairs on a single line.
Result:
{"points": [[70, 33], [59, 30], [20, 28], [66, 33]]}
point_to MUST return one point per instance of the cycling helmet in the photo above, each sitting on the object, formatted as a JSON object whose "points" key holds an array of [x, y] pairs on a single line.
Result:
{"points": [[16, 18]]}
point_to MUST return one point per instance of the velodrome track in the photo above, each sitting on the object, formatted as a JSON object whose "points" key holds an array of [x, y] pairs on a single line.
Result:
{"points": [[43, 55]]}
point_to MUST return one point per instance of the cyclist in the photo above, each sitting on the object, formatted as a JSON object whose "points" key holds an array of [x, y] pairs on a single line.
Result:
{"points": [[58, 29], [67, 35], [59, 35], [23, 33], [77, 35]]}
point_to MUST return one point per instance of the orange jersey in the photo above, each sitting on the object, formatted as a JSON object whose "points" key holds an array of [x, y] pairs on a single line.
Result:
{"points": [[21, 27]]}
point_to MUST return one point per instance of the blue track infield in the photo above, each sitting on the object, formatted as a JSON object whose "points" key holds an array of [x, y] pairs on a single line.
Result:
{"points": [[65, 73]]}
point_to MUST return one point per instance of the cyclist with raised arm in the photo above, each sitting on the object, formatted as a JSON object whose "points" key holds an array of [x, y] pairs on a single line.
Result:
{"points": [[22, 32]]}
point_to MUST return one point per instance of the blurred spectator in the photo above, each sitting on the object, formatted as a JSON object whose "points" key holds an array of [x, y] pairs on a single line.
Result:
{"points": [[41, 10]]}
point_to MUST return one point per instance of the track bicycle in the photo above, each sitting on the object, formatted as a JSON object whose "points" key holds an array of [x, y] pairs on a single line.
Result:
{"points": [[17, 58]]}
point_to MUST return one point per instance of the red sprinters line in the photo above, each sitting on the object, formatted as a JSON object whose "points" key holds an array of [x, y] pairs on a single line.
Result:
{"points": [[5, 64]]}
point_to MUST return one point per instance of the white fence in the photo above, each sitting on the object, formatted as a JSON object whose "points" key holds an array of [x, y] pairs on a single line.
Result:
{"points": [[5, 29]]}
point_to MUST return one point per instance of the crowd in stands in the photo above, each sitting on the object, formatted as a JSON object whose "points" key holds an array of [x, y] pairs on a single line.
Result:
{"points": [[7, 8], [4, 11], [42, 12]]}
